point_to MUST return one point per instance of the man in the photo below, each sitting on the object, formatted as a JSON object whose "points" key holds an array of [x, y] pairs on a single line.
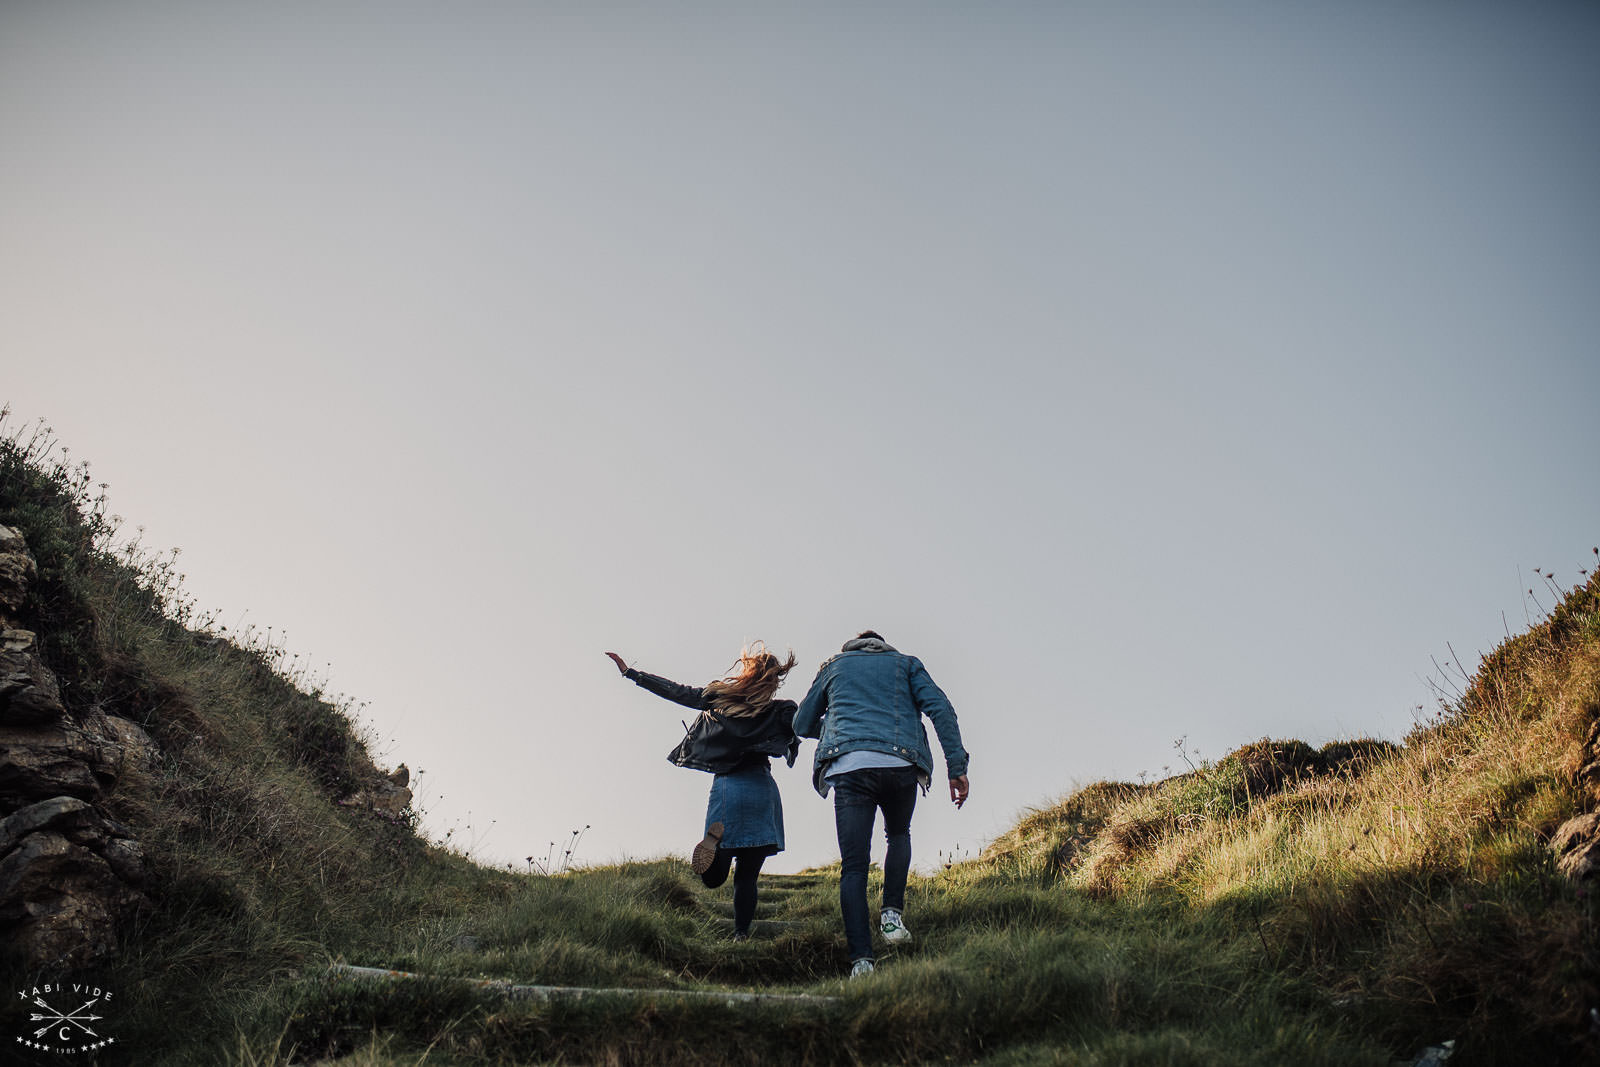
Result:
{"points": [[865, 708]]}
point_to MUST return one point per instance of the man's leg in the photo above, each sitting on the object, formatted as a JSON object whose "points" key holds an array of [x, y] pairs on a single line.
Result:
{"points": [[854, 810], [898, 795]]}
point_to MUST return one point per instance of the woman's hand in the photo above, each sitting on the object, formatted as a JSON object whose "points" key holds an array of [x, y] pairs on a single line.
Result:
{"points": [[958, 790], [621, 666]]}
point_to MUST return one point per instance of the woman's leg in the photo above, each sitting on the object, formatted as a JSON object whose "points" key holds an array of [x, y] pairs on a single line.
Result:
{"points": [[717, 873], [744, 887]]}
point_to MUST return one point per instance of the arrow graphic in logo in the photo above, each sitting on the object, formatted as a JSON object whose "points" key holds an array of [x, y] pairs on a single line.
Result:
{"points": [[55, 1018]]}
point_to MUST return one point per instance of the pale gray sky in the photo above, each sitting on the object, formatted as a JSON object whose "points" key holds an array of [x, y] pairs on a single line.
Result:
{"points": [[1149, 370]]}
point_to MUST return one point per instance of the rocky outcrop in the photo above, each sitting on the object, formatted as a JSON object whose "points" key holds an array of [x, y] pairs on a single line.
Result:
{"points": [[53, 759], [385, 795], [1589, 765], [28, 691], [1577, 842], [69, 875], [18, 569]]}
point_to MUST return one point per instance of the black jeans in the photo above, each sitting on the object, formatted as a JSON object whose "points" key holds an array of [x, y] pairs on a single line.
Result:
{"points": [[857, 796], [744, 881]]}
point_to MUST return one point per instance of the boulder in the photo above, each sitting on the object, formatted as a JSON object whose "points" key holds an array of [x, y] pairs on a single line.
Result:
{"points": [[1589, 757], [67, 881], [17, 569], [17, 640], [136, 750], [51, 761], [126, 858], [28, 689], [1589, 778], [383, 795], [60, 903], [61, 814], [139, 749], [1577, 846]]}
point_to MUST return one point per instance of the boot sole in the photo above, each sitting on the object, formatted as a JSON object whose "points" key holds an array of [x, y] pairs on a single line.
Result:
{"points": [[706, 850]]}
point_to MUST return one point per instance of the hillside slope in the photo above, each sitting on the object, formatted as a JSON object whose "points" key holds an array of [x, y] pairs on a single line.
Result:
{"points": [[1348, 905]]}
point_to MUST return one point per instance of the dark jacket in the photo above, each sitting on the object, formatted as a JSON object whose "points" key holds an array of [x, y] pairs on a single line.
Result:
{"points": [[723, 743]]}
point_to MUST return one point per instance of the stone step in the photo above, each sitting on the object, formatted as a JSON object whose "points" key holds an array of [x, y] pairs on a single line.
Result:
{"points": [[765, 908], [574, 994], [763, 927], [767, 886], [800, 881]]}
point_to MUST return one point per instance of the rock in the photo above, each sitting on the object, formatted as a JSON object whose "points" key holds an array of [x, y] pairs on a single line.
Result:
{"points": [[67, 872], [54, 761], [1589, 778], [126, 858], [138, 751], [401, 776], [1582, 862], [1584, 826], [17, 640], [1432, 1056], [383, 796], [58, 813], [28, 690], [66, 882], [17, 569], [1577, 843], [61, 904]]}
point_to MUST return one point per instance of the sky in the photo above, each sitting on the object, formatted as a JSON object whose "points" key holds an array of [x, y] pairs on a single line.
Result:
{"points": [[1157, 373]]}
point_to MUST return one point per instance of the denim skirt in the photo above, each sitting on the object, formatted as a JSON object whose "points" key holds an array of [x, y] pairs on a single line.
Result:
{"points": [[749, 808]]}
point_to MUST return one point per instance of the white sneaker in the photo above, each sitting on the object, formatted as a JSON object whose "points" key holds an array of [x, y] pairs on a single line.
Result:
{"points": [[892, 927], [861, 968]]}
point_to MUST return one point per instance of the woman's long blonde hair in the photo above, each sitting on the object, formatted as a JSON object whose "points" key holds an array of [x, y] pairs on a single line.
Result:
{"points": [[751, 682]]}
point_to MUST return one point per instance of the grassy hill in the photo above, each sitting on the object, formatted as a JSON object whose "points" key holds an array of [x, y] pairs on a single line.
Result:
{"points": [[1348, 905]]}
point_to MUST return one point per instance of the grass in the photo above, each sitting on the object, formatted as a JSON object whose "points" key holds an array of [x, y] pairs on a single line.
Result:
{"points": [[1344, 905]]}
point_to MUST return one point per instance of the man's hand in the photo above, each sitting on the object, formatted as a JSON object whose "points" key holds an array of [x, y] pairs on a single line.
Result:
{"points": [[621, 666], [958, 790]]}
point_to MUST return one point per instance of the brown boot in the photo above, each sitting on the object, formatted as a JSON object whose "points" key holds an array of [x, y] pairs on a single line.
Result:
{"points": [[706, 850]]}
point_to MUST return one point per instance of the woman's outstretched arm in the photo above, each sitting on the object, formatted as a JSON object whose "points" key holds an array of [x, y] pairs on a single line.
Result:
{"points": [[688, 695]]}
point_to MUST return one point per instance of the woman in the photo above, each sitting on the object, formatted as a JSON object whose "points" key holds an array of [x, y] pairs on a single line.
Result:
{"points": [[740, 726]]}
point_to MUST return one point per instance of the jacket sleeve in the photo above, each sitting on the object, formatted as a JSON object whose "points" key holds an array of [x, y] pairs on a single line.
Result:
{"points": [[808, 719], [687, 695], [791, 747], [932, 702]]}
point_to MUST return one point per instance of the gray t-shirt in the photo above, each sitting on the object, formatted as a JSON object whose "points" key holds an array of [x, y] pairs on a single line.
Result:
{"points": [[863, 759]]}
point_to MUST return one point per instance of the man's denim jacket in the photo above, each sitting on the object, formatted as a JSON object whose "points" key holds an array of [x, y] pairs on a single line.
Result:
{"points": [[874, 699]]}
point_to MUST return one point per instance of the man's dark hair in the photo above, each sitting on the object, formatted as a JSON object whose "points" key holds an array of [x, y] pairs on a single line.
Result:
{"points": [[869, 633]]}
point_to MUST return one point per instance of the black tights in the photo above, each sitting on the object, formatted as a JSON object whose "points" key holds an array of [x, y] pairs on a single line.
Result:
{"points": [[744, 881]]}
